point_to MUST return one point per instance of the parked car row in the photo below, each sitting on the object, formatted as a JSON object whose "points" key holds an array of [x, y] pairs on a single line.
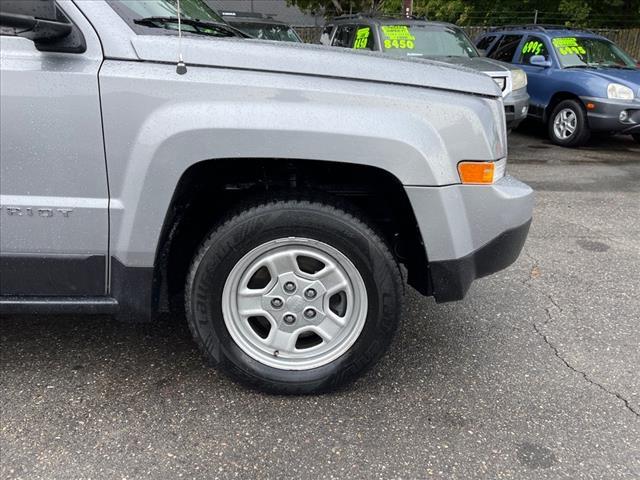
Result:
{"points": [[574, 81]]}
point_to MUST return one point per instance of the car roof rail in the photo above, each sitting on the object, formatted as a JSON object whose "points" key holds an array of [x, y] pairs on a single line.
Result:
{"points": [[378, 16], [541, 27], [349, 16]]}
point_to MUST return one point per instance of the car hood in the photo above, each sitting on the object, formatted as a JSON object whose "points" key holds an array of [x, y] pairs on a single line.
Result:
{"points": [[630, 78], [481, 64], [313, 60]]}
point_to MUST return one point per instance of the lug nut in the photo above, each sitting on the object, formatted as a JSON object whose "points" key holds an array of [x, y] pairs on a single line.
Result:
{"points": [[310, 293], [277, 303], [289, 287], [310, 313], [289, 319]]}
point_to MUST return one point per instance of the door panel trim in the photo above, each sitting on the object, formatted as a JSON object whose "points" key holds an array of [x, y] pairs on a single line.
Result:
{"points": [[27, 275]]}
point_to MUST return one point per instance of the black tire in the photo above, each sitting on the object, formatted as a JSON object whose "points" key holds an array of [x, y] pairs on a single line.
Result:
{"points": [[261, 223], [636, 137], [582, 131]]}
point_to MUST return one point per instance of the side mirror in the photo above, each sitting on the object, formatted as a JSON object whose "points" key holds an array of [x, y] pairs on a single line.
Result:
{"points": [[540, 61], [34, 19]]}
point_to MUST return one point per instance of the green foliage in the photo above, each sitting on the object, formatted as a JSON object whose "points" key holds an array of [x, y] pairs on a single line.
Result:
{"points": [[586, 13], [336, 7]]}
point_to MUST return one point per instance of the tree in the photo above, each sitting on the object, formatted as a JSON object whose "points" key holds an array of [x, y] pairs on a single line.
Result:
{"points": [[586, 13], [331, 8]]}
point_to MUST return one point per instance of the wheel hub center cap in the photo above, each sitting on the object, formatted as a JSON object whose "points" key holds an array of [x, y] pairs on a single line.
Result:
{"points": [[295, 304]]}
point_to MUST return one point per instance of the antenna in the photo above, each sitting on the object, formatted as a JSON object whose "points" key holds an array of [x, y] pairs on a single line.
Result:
{"points": [[181, 68]]}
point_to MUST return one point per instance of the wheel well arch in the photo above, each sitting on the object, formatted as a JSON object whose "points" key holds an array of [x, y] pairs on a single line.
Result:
{"points": [[556, 99], [208, 190]]}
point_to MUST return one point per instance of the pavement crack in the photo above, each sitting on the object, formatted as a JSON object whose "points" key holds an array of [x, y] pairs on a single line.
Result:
{"points": [[556, 352], [528, 283]]}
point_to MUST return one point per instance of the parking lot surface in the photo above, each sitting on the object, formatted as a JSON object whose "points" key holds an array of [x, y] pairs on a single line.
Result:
{"points": [[535, 375]]}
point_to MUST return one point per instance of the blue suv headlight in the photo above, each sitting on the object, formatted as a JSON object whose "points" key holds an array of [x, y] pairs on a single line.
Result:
{"points": [[519, 79], [619, 92]]}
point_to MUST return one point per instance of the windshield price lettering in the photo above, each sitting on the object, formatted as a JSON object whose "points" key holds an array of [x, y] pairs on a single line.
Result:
{"points": [[398, 36], [568, 46]]}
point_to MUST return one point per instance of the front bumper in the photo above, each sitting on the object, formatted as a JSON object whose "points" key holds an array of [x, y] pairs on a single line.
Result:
{"points": [[451, 279], [516, 107], [605, 116], [470, 231]]}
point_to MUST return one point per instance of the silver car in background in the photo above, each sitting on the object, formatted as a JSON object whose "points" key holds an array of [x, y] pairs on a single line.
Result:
{"points": [[416, 38]]}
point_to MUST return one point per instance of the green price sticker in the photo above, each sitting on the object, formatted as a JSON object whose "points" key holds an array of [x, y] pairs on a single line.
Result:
{"points": [[362, 38], [568, 46], [398, 36], [533, 47]]}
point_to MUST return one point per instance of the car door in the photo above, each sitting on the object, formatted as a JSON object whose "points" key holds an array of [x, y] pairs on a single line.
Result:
{"points": [[53, 179], [540, 79]]}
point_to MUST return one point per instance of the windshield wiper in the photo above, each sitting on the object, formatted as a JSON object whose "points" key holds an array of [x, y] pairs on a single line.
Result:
{"points": [[614, 65], [201, 26], [582, 66]]}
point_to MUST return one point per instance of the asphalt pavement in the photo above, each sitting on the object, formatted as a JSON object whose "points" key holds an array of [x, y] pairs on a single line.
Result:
{"points": [[535, 375]]}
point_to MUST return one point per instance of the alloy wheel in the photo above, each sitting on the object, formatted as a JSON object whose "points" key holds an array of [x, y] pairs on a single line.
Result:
{"points": [[294, 303], [565, 124]]}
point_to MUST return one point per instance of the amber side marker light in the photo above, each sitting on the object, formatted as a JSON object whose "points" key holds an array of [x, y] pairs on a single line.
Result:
{"points": [[591, 106], [476, 172]]}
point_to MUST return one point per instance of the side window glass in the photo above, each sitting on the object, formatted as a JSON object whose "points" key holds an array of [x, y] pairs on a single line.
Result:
{"points": [[533, 46], [363, 39], [325, 37], [486, 42], [343, 36], [506, 48]]}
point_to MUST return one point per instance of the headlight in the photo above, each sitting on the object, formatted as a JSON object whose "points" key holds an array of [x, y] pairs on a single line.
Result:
{"points": [[519, 79], [619, 92]]}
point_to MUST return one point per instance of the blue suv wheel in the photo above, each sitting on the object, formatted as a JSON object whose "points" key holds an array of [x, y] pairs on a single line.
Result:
{"points": [[568, 124]]}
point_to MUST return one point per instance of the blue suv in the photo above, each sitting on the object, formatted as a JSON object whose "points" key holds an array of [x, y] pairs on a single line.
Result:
{"points": [[579, 82]]}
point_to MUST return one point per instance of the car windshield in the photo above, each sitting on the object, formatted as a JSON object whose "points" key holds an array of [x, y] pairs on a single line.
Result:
{"points": [[426, 41], [263, 31], [190, 9], [591, 52]]}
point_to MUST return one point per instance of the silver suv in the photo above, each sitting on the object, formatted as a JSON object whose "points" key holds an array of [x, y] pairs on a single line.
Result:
{"points": [[268, 192]]}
